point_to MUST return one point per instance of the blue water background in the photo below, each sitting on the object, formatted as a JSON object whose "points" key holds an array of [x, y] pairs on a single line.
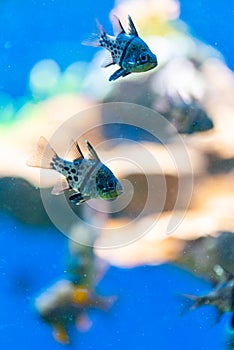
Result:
{"points": [[146, 315], [33, 30]]}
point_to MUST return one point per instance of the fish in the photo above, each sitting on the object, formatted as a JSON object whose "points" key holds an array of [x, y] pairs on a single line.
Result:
{"points": [[221, 296], [65, 304], [126, 49], [87, 177]]}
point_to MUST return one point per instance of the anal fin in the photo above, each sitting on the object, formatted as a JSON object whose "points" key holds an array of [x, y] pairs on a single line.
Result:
{"points": [[108, 61], [61, 186]]}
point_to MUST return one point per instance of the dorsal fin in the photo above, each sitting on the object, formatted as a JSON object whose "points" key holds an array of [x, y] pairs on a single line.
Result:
{"points": [[132, 28], [100, 28], [74, 152], [117, 25], [94, 38], [93, 154]]}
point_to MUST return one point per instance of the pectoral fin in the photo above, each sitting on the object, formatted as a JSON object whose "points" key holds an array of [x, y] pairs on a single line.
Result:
{"points": [[119, 73], [83, 323]]}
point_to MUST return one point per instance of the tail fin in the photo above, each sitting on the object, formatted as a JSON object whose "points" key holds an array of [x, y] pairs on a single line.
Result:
{"points": [[43, 155], [94, 38], [188, 302], [193, 301]]}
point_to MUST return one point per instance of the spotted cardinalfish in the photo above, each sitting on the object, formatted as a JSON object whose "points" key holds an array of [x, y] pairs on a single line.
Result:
{"points": [[127, 50], [87, 177]]}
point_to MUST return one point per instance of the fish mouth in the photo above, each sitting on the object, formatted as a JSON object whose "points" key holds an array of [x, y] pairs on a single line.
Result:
{"points": [[154, 61], [119, 189]]}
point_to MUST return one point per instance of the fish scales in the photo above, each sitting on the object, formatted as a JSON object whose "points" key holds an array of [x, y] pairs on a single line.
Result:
{"points": [[87, 177], [127, 49]]}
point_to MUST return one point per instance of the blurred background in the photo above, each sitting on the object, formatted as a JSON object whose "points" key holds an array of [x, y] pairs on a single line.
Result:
{"points": [[57, 293]]}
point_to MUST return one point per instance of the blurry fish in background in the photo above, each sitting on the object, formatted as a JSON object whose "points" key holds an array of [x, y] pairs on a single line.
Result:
{"points": [[89, 178], [187, 117], [65, 304], [126, 49], [180, 88], [221, 296]]}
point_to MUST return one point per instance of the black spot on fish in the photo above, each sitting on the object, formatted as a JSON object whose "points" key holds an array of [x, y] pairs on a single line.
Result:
{"points": [[75, 178], [66, 168], [73, 171], [114, 46], [115, 52], [69, 177]]}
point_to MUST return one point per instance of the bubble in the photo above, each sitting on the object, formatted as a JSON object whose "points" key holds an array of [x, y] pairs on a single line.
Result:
{"points": [[44, 77]]}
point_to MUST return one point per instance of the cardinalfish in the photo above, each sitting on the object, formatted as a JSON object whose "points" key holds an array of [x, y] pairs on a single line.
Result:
{"points": [[87, 177], [126, 49], [222, 297]]}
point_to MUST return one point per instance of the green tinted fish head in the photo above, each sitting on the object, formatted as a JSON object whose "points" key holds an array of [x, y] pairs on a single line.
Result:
{"points": [[139, 57], [108, 186]]}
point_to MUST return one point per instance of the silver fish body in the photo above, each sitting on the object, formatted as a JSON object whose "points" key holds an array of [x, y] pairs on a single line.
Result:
{"points": [[88, 178], [127, 50]]}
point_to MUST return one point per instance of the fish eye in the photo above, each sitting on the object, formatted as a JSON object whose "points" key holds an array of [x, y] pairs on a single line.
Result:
{"points": [[144, 57]]}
